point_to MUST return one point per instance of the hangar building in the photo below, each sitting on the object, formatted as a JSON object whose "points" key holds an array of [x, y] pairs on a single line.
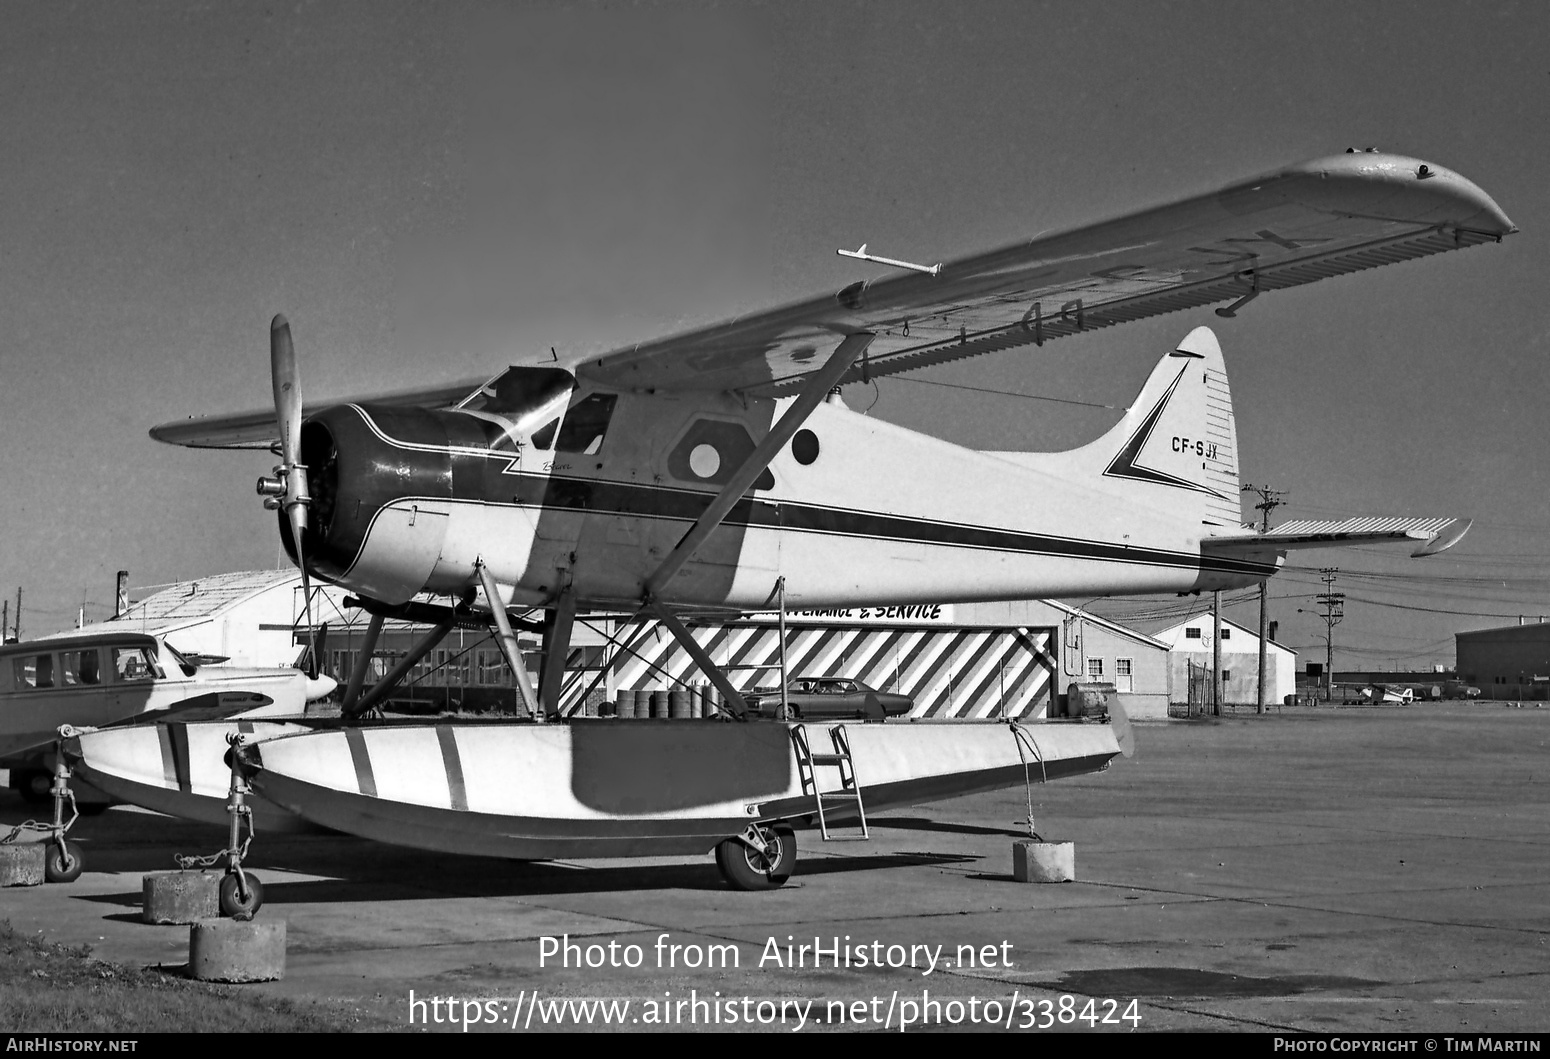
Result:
{"points": [[968, 660], [1510, 662], [250, 617], [1190, 650]]}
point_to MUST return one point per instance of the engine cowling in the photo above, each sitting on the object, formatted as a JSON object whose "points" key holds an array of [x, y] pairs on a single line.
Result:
{"points": [[382, 482]]}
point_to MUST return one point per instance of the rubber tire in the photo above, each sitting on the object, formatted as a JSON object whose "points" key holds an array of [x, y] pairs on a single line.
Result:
{"points": [[734, 860], [54, 869], [231, 901]]}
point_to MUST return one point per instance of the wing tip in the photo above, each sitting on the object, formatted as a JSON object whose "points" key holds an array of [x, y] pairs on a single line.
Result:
{"points": [[1444, 538]]}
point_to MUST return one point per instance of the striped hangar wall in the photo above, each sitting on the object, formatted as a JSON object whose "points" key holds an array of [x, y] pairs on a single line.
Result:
{"points": [[949, 670]]}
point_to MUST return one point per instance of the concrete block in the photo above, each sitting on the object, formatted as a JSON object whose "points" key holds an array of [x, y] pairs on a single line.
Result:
{"points": [[21, 864], [1043, 861], [237, 950], [181, 896]]}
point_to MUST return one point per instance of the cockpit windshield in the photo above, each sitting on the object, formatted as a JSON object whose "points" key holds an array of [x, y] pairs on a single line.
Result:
{"points": [[184, 663], [523, 400]]}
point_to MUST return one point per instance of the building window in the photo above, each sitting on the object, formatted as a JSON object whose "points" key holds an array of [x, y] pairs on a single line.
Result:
{"points": [[1226, 633], [1123, 674], [1191, 634], [1226, 675], [1095, 669]]}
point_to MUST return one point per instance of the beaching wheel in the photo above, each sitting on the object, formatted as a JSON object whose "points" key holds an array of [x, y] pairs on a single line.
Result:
{"points": [[746, 868], [231, 900], [63, 866]]}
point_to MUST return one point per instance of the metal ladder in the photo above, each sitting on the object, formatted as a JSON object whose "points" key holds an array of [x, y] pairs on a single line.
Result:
{"points": [[807, 765]]}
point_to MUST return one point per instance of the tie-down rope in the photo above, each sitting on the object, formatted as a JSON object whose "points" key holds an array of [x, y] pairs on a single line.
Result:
{"points": [[1022, 737]]}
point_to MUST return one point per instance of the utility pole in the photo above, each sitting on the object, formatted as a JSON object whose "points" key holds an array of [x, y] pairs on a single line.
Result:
{"points": [[1334, 611], [1216, 653], [1269, 500], [18, 626], [5, 622]]}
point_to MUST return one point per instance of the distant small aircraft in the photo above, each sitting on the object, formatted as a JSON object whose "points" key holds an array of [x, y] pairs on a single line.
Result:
{"points": [[1412, 691]]}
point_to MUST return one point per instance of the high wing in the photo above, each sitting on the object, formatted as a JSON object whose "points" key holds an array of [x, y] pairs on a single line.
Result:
{"points": [[1437, 535], [1298, 225], [257, 430], [1301, 224]]}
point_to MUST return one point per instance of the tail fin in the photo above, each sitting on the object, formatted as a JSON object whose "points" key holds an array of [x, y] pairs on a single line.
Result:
{"points": [[1175, 449]]}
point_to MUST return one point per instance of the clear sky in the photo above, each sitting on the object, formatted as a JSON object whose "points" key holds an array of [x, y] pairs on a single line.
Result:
{"points": [[431, 191]]}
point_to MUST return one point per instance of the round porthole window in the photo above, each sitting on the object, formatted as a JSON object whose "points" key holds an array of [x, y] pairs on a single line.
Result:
{"points": [[704, 460], [805, 447]]}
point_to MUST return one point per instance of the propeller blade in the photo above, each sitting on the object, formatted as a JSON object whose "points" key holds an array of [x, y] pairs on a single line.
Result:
{"points": [[306, 596], [287, 387], [286, 381]]}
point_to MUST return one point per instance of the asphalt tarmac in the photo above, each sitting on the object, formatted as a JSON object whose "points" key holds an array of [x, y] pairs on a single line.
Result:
{"points": [[1329, 869]]}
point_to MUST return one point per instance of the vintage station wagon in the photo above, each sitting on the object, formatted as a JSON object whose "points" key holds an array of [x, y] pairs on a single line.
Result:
{"points": [[109, 677]]}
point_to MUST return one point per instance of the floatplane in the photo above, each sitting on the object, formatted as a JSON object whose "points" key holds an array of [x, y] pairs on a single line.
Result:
{"points": [[709, 473]]}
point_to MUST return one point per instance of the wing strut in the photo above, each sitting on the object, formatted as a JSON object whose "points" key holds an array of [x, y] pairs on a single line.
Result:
{"points": [[558, 622], [362, 666], [508, 642], [380, 690], [734, 698], [813, 391]]}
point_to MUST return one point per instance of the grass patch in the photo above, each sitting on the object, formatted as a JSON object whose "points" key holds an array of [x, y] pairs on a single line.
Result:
{"points": [[51, 988]]}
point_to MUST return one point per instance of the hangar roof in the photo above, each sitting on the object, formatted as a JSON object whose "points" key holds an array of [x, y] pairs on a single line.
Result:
{"points": [[190, 601], [1534, 630]]}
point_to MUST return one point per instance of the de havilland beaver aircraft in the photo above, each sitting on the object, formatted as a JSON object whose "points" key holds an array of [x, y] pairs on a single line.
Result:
{"points": [[705, 472]]}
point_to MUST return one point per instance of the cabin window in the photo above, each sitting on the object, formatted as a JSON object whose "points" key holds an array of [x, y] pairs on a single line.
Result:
{"points": [[131, 664], [586, 423], [25, 670], [80, 667]]}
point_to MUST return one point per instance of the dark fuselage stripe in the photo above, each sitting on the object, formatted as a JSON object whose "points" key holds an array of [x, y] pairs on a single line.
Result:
{"points": [[659, 502]]}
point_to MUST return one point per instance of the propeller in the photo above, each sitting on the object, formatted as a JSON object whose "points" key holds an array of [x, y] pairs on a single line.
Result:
{"points": [[287, 490]]}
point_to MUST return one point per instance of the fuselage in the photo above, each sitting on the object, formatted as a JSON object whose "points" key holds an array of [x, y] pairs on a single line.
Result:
{"points": [[852, 510]]}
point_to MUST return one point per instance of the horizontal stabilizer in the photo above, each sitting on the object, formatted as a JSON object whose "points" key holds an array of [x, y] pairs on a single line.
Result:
{"points": [[1439, 534]]}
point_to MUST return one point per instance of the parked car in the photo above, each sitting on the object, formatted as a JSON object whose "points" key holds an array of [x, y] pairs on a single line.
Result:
{"points": [[117, 676], [826, 698]]}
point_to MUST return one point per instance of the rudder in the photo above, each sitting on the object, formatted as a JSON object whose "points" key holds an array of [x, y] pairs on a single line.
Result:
{"points": [[1176, 447]]}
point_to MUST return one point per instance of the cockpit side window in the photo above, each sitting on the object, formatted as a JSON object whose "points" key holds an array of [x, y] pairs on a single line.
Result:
{"points": [[586, 424], [543, 437]]}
